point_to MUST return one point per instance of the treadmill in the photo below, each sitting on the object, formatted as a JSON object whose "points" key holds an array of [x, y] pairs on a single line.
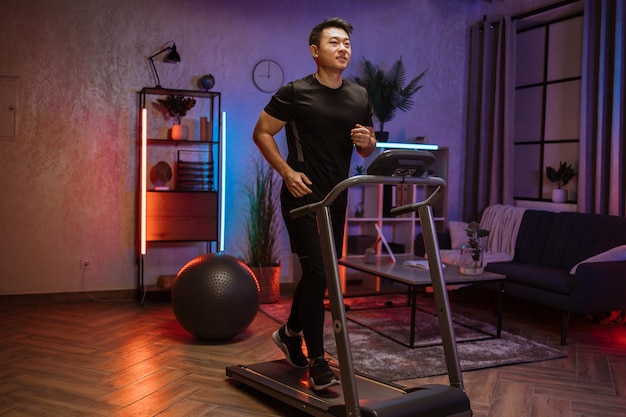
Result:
{"points": [[359, 395]]}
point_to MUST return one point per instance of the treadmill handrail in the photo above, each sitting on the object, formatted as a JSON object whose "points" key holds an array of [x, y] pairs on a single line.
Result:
{"points": [[376, 179]]}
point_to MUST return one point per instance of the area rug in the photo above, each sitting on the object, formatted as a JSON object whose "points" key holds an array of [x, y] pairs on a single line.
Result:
{"points": [[379, 330]]}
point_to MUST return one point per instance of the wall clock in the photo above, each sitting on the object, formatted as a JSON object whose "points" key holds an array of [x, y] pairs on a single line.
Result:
{"points": [[268, 75]]}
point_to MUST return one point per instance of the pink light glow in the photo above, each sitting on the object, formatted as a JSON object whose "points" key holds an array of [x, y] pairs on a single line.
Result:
{"points": [[144, 158]]}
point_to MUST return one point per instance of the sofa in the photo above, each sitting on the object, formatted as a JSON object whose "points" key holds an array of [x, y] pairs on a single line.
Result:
{"points": [[572, 262]]}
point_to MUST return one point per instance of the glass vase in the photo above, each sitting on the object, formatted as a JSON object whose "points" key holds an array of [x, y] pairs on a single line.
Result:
{"points": [[471, 260]]}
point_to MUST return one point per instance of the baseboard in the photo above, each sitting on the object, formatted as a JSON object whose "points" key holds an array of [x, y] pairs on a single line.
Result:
{"points": [[67, 297], [79, 297]]}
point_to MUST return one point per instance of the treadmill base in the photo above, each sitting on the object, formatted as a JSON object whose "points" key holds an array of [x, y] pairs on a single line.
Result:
{"points": [[377, 399]]}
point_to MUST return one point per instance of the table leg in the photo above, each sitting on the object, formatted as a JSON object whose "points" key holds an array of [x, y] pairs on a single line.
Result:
{"points": [[499, 308], [413, 290]]}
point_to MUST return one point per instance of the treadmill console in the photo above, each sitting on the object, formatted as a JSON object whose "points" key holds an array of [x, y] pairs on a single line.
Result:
{"points": [[401, 163]]}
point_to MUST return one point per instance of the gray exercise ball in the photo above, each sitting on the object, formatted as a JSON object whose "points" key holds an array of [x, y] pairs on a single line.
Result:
{"points": [[215, 296]]}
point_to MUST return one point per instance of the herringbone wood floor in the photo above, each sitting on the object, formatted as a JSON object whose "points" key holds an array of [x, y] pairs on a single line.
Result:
{"points": [[118, 359]]}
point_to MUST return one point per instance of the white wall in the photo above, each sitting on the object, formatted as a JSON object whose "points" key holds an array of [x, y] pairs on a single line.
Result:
{"points": [[69, 176]]}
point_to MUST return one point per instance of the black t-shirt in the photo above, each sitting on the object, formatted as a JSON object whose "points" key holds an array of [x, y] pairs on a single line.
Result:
{"points": [[319, 120]]}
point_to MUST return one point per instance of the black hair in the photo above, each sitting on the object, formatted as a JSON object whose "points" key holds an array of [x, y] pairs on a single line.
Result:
{"points": [[333, 22]]}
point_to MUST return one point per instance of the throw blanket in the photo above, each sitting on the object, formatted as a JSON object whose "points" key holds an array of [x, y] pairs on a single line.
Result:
{"points": [[503, 223]]}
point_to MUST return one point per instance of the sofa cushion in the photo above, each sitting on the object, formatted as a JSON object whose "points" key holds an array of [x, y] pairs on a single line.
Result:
{"points": [[532, 236], [549, 279], [574, 237], [443, 239], [458, 234]]}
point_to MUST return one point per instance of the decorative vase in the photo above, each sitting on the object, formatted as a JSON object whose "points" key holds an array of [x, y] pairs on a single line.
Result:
{"points": [[268, 278], [471, 260], [180, 132], [559, 195], [205, 130]]}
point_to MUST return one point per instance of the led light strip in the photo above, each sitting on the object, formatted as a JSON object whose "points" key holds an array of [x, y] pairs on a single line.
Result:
{"points": [[414, 146], [222, 185], [144, 159]]}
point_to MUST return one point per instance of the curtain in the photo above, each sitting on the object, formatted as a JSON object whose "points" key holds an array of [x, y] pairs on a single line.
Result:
{"points": [[602, 176], [488, 156]]}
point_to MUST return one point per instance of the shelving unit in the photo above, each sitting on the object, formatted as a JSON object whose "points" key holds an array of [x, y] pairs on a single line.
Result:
{"points": [[184, 205], [375, 201]]}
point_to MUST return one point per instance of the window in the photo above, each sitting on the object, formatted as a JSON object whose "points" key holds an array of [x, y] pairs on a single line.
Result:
{"points": [[547, 104]]}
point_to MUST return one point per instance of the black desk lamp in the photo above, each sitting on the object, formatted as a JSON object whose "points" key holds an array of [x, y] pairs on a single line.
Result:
{"points": [[172, 56]]}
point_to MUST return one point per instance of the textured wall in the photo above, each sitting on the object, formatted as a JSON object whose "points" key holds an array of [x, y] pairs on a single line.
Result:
{"points": [[69, 177]]}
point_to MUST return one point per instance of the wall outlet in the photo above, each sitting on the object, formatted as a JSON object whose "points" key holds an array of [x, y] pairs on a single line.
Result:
{"points": [[85, 264]]}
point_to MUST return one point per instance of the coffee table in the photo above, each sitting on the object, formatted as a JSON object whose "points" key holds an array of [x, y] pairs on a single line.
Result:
{"points": [[416, 278]]}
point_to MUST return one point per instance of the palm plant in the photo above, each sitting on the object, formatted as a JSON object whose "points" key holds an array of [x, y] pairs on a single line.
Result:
{"points": [[386, 89], [262, 223]]}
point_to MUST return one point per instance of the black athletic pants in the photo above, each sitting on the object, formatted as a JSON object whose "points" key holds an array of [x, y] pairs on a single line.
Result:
{"points": [[307, 309]]}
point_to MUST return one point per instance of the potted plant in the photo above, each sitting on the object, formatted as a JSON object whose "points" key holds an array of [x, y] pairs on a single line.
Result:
{"points": [[358, 209], [177, 106], [472, 253], [359, 170], [261, 225], [387, 91], [560, 177]]}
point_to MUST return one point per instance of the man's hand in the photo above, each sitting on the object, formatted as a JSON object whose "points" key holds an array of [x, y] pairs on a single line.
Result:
{"points": [[363, 139], [297, 183]]}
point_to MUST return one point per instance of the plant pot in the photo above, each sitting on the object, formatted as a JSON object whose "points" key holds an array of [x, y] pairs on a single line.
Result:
{"points": [[268, 278], [559, 195], [180, 132]]}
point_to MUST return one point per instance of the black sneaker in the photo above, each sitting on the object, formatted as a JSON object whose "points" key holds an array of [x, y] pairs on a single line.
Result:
{"points": [[320, 374], [291, 347]]}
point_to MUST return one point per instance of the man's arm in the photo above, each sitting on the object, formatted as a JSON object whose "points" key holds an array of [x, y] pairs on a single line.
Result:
{"points": [[266, 127]]}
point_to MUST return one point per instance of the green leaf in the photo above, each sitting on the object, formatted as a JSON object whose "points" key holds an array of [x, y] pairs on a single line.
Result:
{"points": [[263, 216], [386, 89], [562, 175], [177, 105]]}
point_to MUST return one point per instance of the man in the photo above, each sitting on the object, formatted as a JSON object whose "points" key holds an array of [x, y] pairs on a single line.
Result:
{"points": [[325, 118]]}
